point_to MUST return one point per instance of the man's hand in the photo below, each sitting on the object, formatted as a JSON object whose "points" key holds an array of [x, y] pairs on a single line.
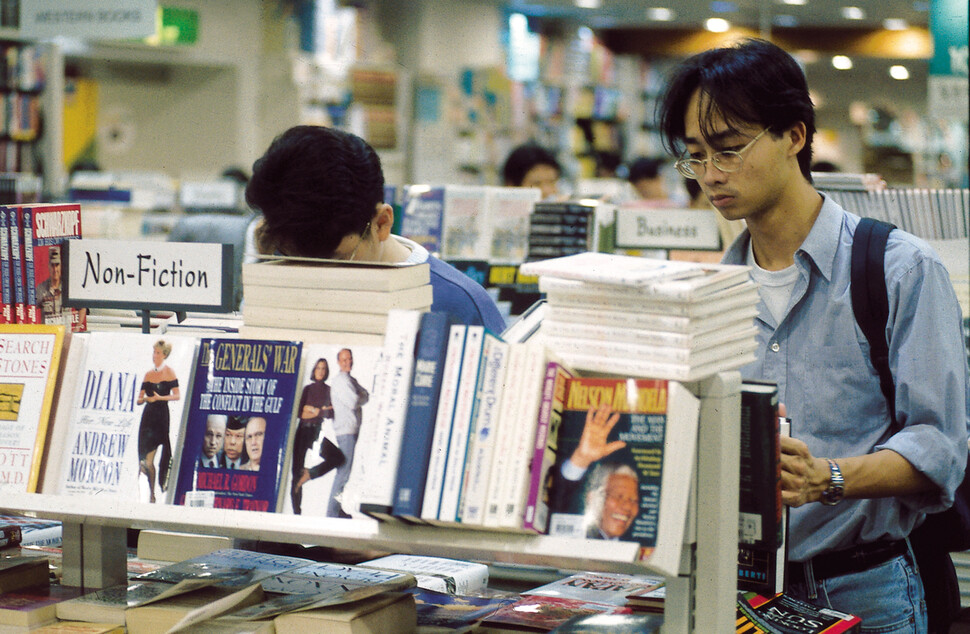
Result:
{"points": [[803, 476], [592, 443]]}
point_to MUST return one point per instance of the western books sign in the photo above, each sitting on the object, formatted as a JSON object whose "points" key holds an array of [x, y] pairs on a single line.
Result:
{"points": [[174, 276]]}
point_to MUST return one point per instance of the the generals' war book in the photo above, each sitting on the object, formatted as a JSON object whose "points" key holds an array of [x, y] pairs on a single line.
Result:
{"points": [[29, 357], [130, 393], [318, 585], [237, 424], [623, 465]]}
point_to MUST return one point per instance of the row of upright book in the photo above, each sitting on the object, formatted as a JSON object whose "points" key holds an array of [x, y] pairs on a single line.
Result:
{"points": [[31, 239]]}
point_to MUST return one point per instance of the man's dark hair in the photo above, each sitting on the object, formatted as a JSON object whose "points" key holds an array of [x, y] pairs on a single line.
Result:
{"points": [[753, 82], [314, 186], [524, 158], [645, 167]]}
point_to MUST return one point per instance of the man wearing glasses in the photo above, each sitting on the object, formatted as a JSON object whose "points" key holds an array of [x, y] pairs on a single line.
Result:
{"points": [[743, 122], [321, 194]]}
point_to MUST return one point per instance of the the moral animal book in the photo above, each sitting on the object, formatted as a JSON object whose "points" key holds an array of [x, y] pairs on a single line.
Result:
{"points": [[29, 359], [627, 476], [129, 396], [335, 393], [45, 229], [247, 388], [454, 576]]}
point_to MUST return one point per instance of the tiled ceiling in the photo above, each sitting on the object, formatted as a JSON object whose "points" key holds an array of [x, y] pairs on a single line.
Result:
{"points": [[750, 13]]}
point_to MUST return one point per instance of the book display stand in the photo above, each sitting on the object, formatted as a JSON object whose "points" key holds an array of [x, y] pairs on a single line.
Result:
{"points": [[700, 599]]}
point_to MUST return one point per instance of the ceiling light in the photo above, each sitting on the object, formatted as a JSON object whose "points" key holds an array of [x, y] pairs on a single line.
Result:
{"points": [[898, 72], [660, 14], [587, 4], [794, 2], [895, 24], [841, 62], [853, 13], [717, 25]]}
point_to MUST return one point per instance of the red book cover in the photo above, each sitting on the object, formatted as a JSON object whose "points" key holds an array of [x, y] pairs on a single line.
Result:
{"points": [[45, 229], [6, 281]]}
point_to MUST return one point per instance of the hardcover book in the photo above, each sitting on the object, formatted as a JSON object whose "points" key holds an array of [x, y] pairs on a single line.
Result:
{"points": [[29, 359], [385, 613], [247, 390], [429, 364], [439, 609], [466, 232], [108, 605], [191, 609], [15, 233], [268, 298], [233, 567], [509, 211], [334, 275], [423, 209], [623, 465], [34, 531], [131, 392], [6, 281], [45, 229]]}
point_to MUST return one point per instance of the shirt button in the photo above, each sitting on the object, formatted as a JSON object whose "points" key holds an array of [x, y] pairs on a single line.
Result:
{"points": [[775, 347]]}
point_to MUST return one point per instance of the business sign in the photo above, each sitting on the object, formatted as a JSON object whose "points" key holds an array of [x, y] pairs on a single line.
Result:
{"points": [[177, 276], [91, 19], [659, 228]]}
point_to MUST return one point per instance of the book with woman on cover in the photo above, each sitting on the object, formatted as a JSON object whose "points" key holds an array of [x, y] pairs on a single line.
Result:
{"points": [[129, 399], [624, 463], [237, 427], [29, 357]]}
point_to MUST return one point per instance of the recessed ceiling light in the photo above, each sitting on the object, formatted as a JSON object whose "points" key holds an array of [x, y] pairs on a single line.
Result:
{"points": [[717, 25], [660, 14], [899, 72], [895, 24], [794, 2], [785, 20], [587, 4], [853, 13], [841, 62]]}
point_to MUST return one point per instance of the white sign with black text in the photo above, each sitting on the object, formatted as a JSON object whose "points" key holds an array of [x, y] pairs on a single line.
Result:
{"points": [[91, 19], [659, 228], [157, 275]]}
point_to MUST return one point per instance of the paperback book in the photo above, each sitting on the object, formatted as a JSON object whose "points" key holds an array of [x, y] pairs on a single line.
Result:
{"points": [[601, 587], [245, 388], [781, 614], [6, 281], [233, 568], [623, 466], [33, 607], [29, 360], [45, 229], [131, 392]]}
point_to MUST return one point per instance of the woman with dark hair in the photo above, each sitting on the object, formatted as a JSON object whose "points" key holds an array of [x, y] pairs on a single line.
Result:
{"points": [[159, 387], [314, 406], [532, 166]]}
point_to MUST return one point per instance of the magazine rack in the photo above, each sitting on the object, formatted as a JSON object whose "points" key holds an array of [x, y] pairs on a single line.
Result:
{"points": [[701, 598]]}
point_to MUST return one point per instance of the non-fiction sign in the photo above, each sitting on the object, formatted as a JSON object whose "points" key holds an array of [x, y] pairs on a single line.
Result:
{"points": [[148, 275]]}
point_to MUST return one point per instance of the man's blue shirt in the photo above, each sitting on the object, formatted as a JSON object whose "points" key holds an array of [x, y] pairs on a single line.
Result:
{"points": [[819, 358]]}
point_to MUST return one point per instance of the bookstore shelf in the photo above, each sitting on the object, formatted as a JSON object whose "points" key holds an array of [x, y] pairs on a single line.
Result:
{"points": [[94, 529]]}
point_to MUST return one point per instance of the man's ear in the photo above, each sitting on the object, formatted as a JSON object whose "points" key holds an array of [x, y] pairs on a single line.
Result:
{"points": [[797, 137], [383, 221]]}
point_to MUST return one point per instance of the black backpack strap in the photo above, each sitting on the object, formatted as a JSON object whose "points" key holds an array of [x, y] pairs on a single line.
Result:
{"points": [[870, 300]]}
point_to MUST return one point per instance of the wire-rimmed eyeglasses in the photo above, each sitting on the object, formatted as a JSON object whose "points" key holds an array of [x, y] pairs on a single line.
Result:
{"points": [[725, 161]]}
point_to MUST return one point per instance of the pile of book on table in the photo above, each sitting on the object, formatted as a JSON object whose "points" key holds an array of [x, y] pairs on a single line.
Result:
{"points": [[329, 296], [637, 316]]}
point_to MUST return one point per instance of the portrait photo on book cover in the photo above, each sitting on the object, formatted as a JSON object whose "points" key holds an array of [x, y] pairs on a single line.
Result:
{"points": [[336, 394]]}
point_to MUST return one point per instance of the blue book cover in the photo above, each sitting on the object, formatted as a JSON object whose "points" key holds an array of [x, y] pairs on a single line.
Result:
{"points": [[17, 264], [247, 387], [6, 295], [422, 411], [422, 214]]}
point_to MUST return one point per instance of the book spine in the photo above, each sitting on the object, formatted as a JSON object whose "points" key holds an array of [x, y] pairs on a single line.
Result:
{"points": [[6, 294], [17, 265], [458, 444], [442, 423], [544, 450], [31, 309], [759, 503], [664, 354], [416, 444], [505, 430], [378, 496], [567, 329], [10, 536], [481, 449], [526, 418]]}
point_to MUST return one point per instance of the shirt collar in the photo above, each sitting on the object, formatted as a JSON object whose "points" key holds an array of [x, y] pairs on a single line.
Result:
{"points": [[419, 255]]}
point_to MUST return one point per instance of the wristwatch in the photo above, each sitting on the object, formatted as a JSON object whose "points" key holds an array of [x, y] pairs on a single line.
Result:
{"points": [[836, 491]]}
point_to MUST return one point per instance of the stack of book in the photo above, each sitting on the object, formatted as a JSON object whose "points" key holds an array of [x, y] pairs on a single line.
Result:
{"points": [[327, 296], [636, 316]]}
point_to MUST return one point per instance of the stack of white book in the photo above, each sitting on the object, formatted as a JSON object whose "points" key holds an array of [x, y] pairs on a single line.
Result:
{"points": [[633, 316], [328, 296]]}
